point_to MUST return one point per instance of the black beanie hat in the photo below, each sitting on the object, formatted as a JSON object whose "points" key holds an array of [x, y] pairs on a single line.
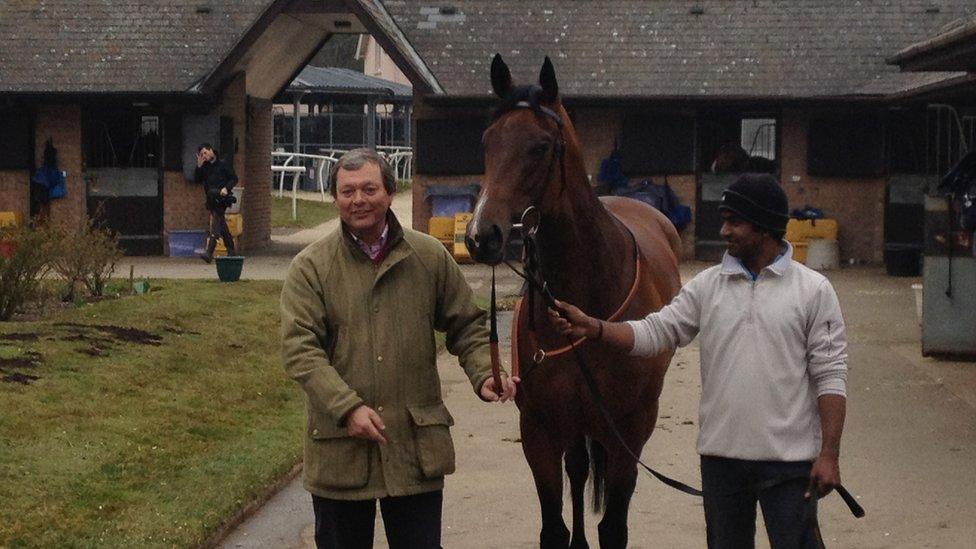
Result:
{"points": [[759, 199]]}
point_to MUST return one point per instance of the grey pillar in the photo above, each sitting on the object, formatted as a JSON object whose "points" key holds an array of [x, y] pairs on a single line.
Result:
{"points": [[408, 123], [331, 124], [297, 133], [371, 123]]}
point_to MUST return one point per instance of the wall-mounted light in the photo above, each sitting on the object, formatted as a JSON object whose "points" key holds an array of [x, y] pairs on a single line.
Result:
{"points": [[342, 24], [203, 9], [697, 10]]}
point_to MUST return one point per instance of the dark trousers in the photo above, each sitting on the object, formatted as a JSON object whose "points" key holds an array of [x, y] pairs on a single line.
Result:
{"points": [[733, 486], [411, 522], [219, 229]]}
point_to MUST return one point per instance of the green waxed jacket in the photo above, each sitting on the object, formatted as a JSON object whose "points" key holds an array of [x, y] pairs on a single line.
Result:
{"points": [[357, 333]]}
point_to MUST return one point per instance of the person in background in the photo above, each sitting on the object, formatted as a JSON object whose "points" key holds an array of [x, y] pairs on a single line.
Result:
{"points": [[217, 178]]}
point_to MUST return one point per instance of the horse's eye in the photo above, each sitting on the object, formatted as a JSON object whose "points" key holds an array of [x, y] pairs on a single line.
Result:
{"points": [[539, 150]]}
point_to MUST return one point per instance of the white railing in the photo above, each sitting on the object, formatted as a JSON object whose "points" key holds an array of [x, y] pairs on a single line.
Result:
{"points": [[401, 158], [322, 164]]}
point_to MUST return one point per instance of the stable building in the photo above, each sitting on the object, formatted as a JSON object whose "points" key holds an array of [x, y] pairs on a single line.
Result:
{"points": [[673, 84]]}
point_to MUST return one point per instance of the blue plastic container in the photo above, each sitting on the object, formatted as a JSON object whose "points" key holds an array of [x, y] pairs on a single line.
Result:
{"points": [[186, 243], [445, 201]]}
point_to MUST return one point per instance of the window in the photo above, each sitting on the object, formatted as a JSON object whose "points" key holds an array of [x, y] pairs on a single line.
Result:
{"points": [[120, 138], [450, 146], [759, 137], [846, 145], [16, 139], [657, 145]]}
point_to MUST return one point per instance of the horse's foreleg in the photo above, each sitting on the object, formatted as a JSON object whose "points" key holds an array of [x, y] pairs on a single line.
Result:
{"points": [[544, 456], [577, 468], [620, 483], [621, 477]]}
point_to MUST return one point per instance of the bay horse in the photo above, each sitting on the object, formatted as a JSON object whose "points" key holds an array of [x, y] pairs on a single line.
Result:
{"points": [[606, 255]]}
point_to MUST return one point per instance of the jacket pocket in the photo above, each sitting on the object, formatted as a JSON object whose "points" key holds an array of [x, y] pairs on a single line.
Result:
{"points": [[333, 459], [435, 449]]}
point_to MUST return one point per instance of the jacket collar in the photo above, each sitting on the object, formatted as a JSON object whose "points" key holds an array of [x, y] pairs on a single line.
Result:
{"points": [[732, 266], [394, 236]]}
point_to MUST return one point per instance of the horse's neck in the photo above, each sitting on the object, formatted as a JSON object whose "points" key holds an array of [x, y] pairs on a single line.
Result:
{"points": [[585, 254]]}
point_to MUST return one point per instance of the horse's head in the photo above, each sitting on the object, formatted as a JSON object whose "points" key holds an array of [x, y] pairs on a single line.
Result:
{"points": [[524, 150], [730, 158]]}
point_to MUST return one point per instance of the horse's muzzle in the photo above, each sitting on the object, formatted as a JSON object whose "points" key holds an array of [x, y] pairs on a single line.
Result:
{"points": [[486, 245]]}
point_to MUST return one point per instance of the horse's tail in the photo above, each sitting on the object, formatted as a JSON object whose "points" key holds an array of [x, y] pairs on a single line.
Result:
{"points": [[598, 466]]}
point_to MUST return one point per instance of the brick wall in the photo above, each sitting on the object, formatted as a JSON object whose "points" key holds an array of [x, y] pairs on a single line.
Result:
{"points": [[183, 205], [257, 174], [62, 124], [15, 192], [856, 204]]}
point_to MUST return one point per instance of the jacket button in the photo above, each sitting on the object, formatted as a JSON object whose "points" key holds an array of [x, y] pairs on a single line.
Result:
{"points": [[379, 358], [379, 408], [315, 431], [376, 309]]}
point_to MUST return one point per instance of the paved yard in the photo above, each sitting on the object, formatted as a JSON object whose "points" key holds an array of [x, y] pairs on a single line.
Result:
{"points": [[908, 448]]}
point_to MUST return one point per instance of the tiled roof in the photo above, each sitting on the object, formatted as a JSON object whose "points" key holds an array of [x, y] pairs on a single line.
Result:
{"points": [[117, 46], [934, 50], [339, 80], [643, 48]]}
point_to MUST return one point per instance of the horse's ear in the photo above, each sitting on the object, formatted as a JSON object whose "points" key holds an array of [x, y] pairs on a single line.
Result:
{"points": [[501, 77], [547, 79]]}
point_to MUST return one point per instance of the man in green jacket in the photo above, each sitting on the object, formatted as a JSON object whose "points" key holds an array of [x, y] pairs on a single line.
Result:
{"points": [[358, 313]]}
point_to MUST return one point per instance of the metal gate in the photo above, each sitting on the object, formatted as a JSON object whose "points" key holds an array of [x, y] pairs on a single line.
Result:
{"points": [[123, 177]]}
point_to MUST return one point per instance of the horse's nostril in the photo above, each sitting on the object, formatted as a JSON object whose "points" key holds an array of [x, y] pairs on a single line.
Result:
{"points": [[470, 243]]}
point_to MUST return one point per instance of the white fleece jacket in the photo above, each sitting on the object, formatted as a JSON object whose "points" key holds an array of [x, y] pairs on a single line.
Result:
{"points": [[769, 349]]}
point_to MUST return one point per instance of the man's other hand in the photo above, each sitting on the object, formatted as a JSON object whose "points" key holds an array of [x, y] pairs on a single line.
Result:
{"points": [[824, 476], [365, 423], [201, 158], [509, 388]]}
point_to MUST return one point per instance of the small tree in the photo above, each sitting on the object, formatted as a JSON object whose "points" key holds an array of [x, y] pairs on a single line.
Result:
{"points": [[25, 261]]}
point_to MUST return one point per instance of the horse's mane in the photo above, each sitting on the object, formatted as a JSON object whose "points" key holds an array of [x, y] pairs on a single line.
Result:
{"points": [[518, 94]]}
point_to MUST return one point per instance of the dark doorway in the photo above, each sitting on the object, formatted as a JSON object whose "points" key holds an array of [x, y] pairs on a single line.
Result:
{"points": [[123, 175], [729, 144]]}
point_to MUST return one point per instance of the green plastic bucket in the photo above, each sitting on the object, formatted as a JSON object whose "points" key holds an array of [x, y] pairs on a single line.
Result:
{"points": [[229, 268]]}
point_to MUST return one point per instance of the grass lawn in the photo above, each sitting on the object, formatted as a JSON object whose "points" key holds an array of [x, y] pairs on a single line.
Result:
{"points": [[144, 421], [310, 213]]}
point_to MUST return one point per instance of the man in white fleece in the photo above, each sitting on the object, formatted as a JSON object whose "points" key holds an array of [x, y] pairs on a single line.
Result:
{"points": [[773, 369]]}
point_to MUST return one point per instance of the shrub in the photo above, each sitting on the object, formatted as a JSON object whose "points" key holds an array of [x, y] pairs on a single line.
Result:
{"points": [[25, 261], [86, 257]]}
